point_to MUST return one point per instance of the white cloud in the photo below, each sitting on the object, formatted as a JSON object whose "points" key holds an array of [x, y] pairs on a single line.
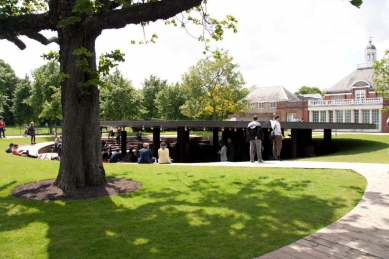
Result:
{"points": [[280, 42]]}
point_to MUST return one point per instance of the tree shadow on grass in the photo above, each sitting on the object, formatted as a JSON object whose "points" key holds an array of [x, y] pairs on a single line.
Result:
{"points": [[192, 217], [357, 146]]}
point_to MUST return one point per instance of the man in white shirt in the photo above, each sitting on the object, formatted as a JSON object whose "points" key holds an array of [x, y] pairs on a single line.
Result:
{"points": [[277, 142]]}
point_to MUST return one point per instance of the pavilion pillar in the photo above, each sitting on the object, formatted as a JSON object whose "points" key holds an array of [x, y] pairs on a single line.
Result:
{"points": [[293, 143], [156, 140], [327, 140], [215, 139], [182, 142], [123, 142]]}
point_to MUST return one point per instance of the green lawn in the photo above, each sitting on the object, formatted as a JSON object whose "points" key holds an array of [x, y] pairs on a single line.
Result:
{"points": [[356, 148], [180, 212]]}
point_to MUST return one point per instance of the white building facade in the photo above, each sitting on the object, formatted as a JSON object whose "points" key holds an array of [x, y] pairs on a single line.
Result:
{"points": [[353, 99]]}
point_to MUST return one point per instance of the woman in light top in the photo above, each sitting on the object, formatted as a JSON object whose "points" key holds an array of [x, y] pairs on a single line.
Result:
{"points": [[163, 154]]}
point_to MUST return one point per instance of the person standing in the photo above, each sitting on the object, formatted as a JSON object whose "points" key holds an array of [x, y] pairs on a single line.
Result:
{"points": [[2, 128], [222, 151], [255, 137], [230, 150], [278, 138], [118, 135], [31, 131]]}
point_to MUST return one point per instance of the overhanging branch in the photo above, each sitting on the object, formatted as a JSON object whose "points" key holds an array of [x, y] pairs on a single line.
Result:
{"points": [[42, 39], [29, 25], [136, 14]]}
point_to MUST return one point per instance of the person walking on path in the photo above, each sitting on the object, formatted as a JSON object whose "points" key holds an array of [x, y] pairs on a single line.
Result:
{"points": [[31, 131], [255, 136], [278, 138], [2, 128]]}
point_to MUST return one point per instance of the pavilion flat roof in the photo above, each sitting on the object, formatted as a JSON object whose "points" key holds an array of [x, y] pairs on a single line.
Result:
{"points": [[233, 124]]}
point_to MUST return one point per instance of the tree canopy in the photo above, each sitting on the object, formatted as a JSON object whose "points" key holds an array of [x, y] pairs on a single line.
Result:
{"points": [[309, 90], [214, 87], [381, 71], [119, 99]]}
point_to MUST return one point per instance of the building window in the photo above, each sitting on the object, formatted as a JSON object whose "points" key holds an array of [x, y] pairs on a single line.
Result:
{"points": [[339, 116], [360, 94], [315, 116], [331, 116], [365, 116], [356, 116], [347, 116], [260, 105], [375, 118], [323, 115], [291, 117], [273, 105]]}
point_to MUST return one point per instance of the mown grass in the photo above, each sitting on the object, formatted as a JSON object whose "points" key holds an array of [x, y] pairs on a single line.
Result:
{"points": [[356, 148], [180, 211]]}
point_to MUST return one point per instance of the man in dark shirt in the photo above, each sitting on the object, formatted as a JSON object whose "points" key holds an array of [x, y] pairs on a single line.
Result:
{"points": [[145, 156], [116, 157], [9, 149]]}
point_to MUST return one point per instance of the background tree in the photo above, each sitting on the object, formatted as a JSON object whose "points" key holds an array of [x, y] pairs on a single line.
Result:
{"points": [[22, 108], [230, 101], [8, 81], [119, 99], [310, 90], [381, 71], [208, 82], [150, 90], [168, 102], [45, 87], [52, 109]]}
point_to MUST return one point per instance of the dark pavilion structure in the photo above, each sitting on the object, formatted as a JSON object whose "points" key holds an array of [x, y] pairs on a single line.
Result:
{"points": [[188, 149]]}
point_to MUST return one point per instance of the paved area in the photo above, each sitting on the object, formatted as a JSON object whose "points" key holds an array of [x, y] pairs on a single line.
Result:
{"points": [[362, 233]]}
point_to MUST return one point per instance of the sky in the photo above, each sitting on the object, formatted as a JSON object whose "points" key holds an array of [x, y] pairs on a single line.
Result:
{"points": [[279, 43]]}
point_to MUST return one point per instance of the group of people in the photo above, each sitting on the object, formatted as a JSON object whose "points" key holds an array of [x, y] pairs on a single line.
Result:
{"points": [[255, 136], [144, 155], [111, 133], [14, 150]]}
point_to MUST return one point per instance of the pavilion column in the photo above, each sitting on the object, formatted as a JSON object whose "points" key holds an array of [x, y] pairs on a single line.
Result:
{"points": [[156, 140], [293, 144], [181, 142], [360, 117], [215, 139], [123, 142], [327, 140]]}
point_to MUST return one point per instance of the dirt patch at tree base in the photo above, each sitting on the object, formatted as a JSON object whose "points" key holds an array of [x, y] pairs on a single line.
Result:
{"points": [[45, 190]]}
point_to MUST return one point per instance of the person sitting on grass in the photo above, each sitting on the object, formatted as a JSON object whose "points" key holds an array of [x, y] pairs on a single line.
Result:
{"points": [[163, 154], [9, 149], [145, 156], [115, 157]]}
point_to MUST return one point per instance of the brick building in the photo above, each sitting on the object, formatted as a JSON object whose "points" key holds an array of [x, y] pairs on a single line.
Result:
{"points": [[353, 99]]}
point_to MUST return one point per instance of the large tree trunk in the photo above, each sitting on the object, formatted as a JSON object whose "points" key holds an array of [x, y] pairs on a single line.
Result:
{"points": [[81, 118]]}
